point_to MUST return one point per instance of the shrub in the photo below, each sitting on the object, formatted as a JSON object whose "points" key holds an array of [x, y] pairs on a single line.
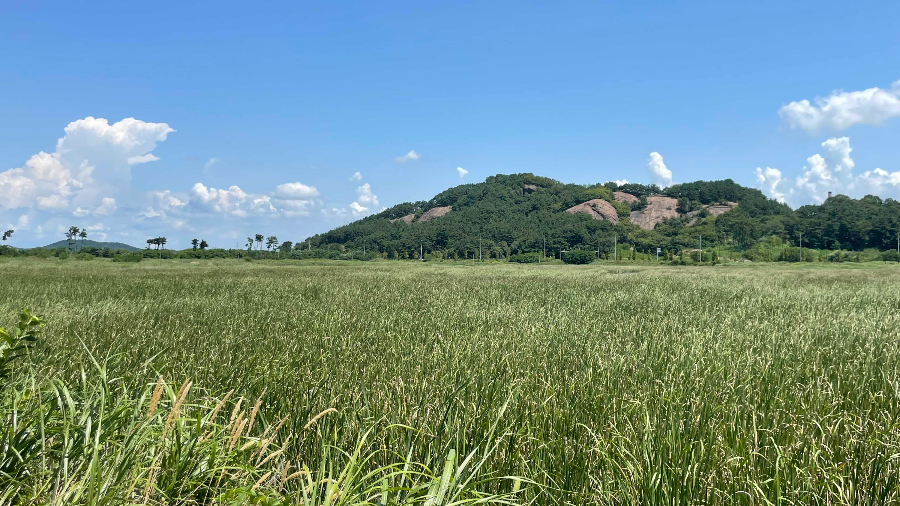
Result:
{"points": [[128, 257], [891, 256], [84, 256], [578, 257], [525, 258]]}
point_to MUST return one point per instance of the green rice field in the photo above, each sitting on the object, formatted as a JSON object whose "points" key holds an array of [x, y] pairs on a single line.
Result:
{"points": [[227, 382]]}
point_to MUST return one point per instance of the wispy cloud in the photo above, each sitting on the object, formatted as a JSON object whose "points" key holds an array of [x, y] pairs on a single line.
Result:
{"points": [[408, 157], [461, 171]]}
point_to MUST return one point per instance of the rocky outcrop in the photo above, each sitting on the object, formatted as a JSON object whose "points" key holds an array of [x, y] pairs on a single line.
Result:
{"points": [[658, 209], [597, 209], [625, 198], [435, 212], [405, 219], [714, 210], [529, 188], [721, 208]]}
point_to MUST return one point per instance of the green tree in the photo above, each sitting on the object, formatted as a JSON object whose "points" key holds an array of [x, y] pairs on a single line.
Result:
{"points": [[259, 241], [204, 244], [83, 234], [195, 243]]}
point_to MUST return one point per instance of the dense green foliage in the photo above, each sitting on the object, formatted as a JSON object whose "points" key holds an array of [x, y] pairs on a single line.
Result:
{"points": [[506, 218], [772, 384], [578, 257], [525, 258]]}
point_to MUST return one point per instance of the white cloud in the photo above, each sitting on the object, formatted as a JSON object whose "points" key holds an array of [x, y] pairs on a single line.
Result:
{"points": [[296, 191], [658, 171], [209, 163], [89, 159], [620, 182], [21, 223], [79, 212], [107, 206], [365, 196], [411, 156], [357, 209], [831, 172], [843, 109], [461, 171], [357, 176], [147, 157], [772, 184]]}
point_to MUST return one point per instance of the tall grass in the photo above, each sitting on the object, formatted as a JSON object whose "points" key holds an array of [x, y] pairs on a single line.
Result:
{"points": [[598, 385]]}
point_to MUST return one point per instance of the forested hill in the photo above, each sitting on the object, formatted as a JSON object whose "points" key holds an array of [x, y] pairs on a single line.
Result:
{"points": [[87, 243], [519, 213]]}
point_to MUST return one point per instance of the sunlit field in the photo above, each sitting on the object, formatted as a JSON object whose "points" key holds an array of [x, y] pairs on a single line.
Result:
{"points": [[405, 382]]}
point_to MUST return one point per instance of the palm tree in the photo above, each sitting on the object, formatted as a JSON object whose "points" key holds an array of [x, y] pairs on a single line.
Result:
{"points": [[259, 240], [71, 235], [249, 243], [8, 234], [83, 236], [195, 243], [271, 242]]}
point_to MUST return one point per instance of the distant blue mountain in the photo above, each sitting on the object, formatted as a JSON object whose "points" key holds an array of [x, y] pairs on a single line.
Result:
{"points": [[93, 244]]}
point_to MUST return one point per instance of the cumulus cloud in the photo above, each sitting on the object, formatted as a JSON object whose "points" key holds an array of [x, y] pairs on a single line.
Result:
{"points": [[21, 224], [365, 196], [659, 173], [828, 172], [358, 210], [461, 171], [357, 176], [843, 109], [771, 183], [89, 159], [408, 157], [296, 191], [620, 182], [107, 206]]}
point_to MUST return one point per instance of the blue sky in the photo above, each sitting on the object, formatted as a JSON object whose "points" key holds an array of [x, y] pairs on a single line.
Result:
{"points": [[254, 118]]}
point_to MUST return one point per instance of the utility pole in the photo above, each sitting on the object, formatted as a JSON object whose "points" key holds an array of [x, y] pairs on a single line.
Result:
{"points": [[479, 249], [801, 246], [701, 249], [615, 247], [544, 237], [421, 252]]}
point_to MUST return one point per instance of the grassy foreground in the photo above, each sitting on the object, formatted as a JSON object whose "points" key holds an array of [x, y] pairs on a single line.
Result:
{"points": [[383, 383]]}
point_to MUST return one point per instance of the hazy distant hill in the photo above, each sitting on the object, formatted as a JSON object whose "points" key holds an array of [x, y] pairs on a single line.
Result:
{"points": [[93, 244]]}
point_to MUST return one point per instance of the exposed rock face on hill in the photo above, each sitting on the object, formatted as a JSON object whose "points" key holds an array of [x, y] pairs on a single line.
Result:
{"points": [[658, 208], [720, 209], [435, 212], [597, 209], [405, 219], [529, 188], [625, 198]]}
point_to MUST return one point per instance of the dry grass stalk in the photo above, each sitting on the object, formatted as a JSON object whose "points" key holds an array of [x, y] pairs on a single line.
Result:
{"points": [[179, 400], [255, 410], [154, 399], [316, 418], [261, 480], [212, 416]]}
